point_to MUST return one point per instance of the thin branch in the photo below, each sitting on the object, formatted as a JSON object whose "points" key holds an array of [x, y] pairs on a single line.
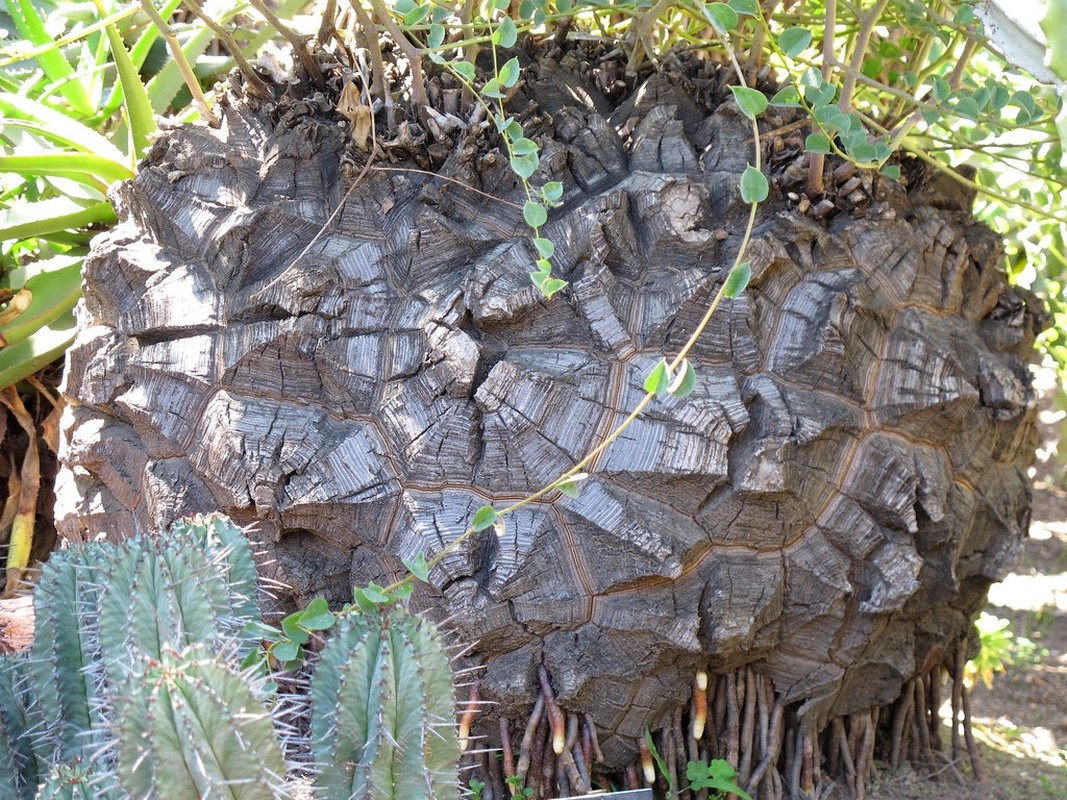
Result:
{"points": [[180, 61], [299, 43], [259, 86]]}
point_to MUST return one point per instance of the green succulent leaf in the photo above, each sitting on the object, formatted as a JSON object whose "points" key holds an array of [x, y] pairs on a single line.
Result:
{"points": [[464, 69], [138, 106], [569, 487], [317, 616], [552, 191], [524, 147], [723, 18], [747, 7], [417, 566], [788, 97], [552, 285], [794, 41], [817, 143], [658, 379], [545, 248], [509, 73], [506, 34], [535, 214], [685, 381], [285, 651], [525, 166], [436, 37]]}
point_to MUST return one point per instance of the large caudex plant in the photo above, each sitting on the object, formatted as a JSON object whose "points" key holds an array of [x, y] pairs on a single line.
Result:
{"points": [[143, 682]]}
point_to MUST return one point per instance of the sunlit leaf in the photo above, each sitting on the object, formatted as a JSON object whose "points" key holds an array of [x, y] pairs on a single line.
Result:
{"points": [[794, 41], [484, 518], [658, 379], [535, 214], [752, 102], [737, 280], [754, 185]]}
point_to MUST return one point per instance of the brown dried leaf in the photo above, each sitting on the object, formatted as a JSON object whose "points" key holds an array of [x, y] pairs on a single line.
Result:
{"points": [[350, 105], [22, 527], [19, 303]]}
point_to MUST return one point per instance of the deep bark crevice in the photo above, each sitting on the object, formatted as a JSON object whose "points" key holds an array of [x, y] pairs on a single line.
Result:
{"points": [[824, 513]]}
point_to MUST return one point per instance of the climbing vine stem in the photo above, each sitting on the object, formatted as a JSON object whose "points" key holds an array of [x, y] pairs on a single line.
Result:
{"points": [[660, 383]]}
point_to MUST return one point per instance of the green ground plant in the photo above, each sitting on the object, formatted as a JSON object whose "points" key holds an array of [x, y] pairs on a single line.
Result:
{"points": [[1000, 648], [135, 687]]}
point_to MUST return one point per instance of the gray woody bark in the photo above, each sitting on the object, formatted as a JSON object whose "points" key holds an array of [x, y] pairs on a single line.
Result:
{"points": [[828, 507]]}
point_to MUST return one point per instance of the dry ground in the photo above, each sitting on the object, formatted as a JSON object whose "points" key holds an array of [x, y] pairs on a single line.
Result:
{"points": [[1021, 724]]}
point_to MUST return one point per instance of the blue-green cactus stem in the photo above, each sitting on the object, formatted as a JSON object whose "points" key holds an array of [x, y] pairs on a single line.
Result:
{"points": [[19, 759], [190, 727], [65, 664], [383, 705]]}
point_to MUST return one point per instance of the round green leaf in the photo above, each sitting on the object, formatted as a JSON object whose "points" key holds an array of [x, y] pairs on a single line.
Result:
{"points": [[416, 15], [552, 285], [754, 186], [436, 36], [492, 89], [523, 147], [509, 73], [417, 566], [748, 7], [535, 214], [465, 69], [285, 651], [794, 41], [484, 518], [752, 102], [659, 378], [684, 382], [817, 143], [787, 98], [737, 280], [506, 33], [525, 166], [545, 248], [723, 18], [552, 191]]}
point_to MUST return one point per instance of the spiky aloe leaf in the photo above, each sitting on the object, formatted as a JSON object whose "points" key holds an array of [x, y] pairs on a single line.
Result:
{"points": [[382, 711], [65, 664], [19, 761], [189, 727]]}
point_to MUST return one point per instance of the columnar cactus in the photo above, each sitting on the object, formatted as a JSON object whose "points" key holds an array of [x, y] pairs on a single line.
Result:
{"points": [[65, 663], [382, 711], [80, 780], [192, 727], [19, 760], [132, 690]]}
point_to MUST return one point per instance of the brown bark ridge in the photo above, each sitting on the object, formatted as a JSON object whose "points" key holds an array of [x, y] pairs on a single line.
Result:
{"points": [[814, 526]]}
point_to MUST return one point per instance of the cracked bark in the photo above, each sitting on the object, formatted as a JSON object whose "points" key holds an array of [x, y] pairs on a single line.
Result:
{"points": [[826, 510]]}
